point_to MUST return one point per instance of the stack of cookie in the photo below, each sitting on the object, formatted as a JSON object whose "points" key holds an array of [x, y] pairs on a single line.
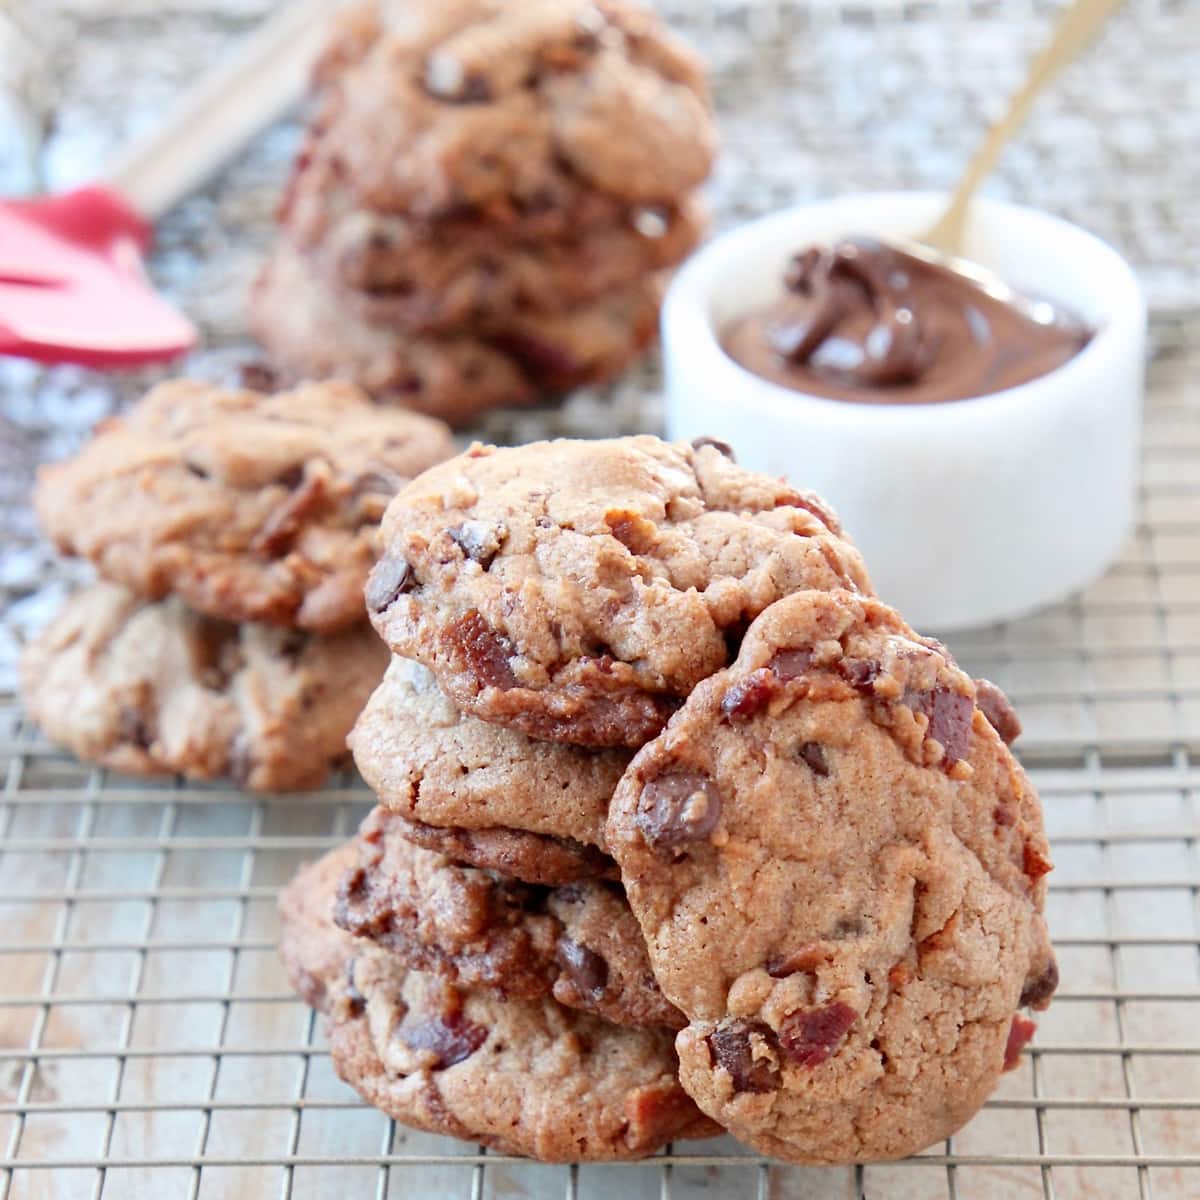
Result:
{"points": [[680, 829], [233, 532], [485, 201]]}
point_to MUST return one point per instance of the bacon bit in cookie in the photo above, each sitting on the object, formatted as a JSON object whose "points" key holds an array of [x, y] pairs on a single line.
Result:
{"points": [[279, 530], [790, 664], [899, 975], [1001, 715], [654, 1107], [1003, 815], [749, 696], [632, 530], [451, 1038], [810, 1036], [949, 716], [479, 541], [584, 967], [1040, 988], [807, 958], [860, 673], [389, 580], [720, 447], [812, 754], [484, 651], [1019, 1035], [733, 1046], [678, 808], [1036, 863]]}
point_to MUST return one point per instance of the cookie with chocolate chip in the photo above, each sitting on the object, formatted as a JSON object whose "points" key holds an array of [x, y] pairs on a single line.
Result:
{"points": [[249, 507], [578, 943], [437, 277], [156, 688], [314, 329], [480, 793], [839, 869], [523, 1076], [439, 106], [577, 591]]}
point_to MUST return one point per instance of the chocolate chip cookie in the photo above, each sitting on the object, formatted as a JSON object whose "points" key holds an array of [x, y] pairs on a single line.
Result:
{"points": [[522, 1076], [439, 107], [249, 507], [433, 764], [579, 943], [153, 688], [439, 277], [840, 872], [311, 331], [577, 591]]}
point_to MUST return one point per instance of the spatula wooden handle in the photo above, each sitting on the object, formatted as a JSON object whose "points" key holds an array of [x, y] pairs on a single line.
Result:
{"points": [[264, 77]]}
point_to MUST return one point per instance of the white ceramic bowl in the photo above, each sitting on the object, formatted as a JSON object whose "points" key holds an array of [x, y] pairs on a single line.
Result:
{"points": [[967, 512]]}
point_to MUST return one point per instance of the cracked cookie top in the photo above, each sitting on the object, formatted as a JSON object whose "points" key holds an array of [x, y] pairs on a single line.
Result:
{"points": [[576, 591], [249, 507], [839, 869]]}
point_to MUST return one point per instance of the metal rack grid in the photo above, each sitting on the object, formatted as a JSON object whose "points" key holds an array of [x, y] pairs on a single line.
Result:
{"points": [[150, 1045]]}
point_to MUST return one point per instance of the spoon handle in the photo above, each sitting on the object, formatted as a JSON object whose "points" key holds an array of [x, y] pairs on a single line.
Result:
{"points": [[1075, 29]]}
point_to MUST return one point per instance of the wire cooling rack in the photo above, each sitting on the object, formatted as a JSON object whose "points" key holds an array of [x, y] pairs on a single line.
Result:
{"points": [[149, 1045]]}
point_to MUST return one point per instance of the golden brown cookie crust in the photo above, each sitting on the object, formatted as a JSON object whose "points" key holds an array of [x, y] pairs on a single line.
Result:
{"points": [[249, 507], [839, 869], [155, 688], [577, 591]]}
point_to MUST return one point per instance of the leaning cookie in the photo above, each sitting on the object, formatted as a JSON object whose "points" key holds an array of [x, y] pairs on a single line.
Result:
{"points": [[839, 869], [577, 591], [250, 507], [431, 763], [522, 1076], [153, 688], [578, 943]]}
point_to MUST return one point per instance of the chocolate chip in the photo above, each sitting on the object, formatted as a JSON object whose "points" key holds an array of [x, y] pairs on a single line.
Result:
{"points": [[732, 1044], [1040, 988], [678, 808], [860, 673], [585, 968], [790, 664], [483, 650], [134, 729], [258, 377], [1001, 715], [390, 579], [812, 754], [1020, 1032], [479, 541], [749, 696], [451, 1039], [721, 447], [541, 358], [949, 714], [810, 1036]]}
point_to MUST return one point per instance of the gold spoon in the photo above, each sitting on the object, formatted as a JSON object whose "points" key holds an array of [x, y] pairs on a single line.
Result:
{"points": [[941, 244]]}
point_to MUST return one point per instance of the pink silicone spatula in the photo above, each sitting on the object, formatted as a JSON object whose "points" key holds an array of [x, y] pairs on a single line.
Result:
{"points": [[72, 285]]}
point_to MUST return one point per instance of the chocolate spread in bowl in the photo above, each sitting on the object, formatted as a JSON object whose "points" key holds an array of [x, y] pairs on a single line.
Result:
{"points": [[866, 322]]}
